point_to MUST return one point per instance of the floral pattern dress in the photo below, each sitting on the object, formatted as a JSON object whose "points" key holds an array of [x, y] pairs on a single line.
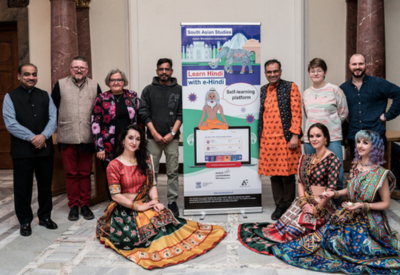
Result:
{"points": [[104, 119]]}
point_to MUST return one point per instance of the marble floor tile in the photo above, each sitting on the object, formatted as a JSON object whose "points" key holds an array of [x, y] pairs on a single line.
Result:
{"points": [[74, 249]]}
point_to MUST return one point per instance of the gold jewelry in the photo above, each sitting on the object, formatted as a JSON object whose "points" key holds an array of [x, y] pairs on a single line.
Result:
{"points": [[134, 206], [325, 143], [131, 161], [337, 195], [156, 198], [365, 206], [314, 161]]}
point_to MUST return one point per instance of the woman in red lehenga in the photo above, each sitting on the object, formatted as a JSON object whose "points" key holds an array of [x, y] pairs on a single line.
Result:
{"points": [[310, 210], [136, 224]]}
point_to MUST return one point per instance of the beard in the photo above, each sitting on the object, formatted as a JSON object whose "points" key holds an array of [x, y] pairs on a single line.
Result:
{"points": [[211, 104], [358, 76]]}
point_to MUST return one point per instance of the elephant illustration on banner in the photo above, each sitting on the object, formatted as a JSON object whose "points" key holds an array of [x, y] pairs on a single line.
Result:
{"points": [[233, 55]]}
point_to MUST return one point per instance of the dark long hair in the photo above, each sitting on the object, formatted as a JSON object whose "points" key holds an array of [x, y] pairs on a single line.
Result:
{"points": [[141, 154], [324, 130]]}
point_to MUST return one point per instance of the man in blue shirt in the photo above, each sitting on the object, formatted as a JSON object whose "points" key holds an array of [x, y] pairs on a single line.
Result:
{"points": [[30, 117], [367, 98]]}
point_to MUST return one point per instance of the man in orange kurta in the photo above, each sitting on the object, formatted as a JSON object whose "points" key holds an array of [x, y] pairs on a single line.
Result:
{"points": [[279, 130]]}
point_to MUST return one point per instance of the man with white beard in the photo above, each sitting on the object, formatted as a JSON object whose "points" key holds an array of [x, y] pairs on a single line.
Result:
{"points": [[161, 111], [211, 107]]}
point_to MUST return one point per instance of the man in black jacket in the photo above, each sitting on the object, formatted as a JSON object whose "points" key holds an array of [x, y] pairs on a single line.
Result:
{"points": [[30, 117], [161, 111]]}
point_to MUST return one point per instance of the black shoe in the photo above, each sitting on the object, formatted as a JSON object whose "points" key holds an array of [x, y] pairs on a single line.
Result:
{"points": [[74, 213], [279, 210], [87, 213], [25, 229], [174, 208], [48, 223]]}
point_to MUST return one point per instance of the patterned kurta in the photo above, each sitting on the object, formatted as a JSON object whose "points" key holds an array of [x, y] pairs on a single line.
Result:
{"points": [[276, 159]]}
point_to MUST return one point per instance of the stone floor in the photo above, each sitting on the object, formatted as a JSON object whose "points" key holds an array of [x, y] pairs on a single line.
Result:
{"points": [[74, 249]]}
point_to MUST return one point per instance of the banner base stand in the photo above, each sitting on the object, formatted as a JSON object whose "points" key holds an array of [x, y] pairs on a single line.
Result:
{"points": [[215, 211]]}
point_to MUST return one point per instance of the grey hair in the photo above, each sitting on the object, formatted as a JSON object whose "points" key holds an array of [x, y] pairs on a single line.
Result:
{"points": [[114, 71], [213, 90]]}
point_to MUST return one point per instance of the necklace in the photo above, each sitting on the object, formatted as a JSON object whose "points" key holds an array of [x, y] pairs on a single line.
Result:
{"points": [[118, 98], [131, 161], [314, 161], [364, 166]]}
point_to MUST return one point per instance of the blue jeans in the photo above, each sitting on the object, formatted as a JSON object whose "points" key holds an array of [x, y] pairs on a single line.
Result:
{"points": [[336, 148]]}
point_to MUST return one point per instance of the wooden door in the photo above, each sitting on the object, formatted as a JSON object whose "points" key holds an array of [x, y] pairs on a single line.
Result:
{"points": [[8, 82]]}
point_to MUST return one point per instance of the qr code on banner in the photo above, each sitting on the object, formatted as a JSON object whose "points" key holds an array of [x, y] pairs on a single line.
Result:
{"points": [[198, 184]]}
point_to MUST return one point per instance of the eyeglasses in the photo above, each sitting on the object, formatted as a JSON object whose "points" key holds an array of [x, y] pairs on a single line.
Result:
{"points": [[77, 69], [317, 72], [117, 81]]}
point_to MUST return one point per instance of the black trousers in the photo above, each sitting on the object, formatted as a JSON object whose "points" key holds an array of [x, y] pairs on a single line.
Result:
{"points": [[283, 190], [104, 165], [23, 185], [352, 145]]}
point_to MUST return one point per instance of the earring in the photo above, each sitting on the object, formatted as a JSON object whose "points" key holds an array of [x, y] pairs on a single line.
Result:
{"points": [[325, 143]]}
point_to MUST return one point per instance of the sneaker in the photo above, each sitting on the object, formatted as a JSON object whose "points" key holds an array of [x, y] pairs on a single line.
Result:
{"points": [[277, 214], [174, 208], [74, 213], [87, 213]]}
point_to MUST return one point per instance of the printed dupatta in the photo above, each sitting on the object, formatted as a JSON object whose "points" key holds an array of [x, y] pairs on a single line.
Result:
{"points": [[305, 161], [364, 186]]}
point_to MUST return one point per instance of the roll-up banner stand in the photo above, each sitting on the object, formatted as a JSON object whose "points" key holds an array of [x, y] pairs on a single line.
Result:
{"points": [[221, 89]]}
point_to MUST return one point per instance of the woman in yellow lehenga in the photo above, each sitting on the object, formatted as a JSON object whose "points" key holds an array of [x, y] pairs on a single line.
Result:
{"points": [[136, 224]]}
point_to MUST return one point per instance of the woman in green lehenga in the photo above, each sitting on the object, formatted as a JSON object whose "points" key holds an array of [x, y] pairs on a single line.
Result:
{"points": [[136, 224], [358, 237]]}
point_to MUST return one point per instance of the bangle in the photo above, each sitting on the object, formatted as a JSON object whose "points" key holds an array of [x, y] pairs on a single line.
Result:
{"points": [[336, 194], [134, 206], [365, 206], [319, 211]]}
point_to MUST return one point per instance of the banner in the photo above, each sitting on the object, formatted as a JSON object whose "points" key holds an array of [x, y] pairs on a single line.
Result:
{"points": [[221, 102]]}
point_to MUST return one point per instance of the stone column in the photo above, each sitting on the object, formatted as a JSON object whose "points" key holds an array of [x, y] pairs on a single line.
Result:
{"points": [[351, 33], [64, 38], [83, 24], [371, 35]]}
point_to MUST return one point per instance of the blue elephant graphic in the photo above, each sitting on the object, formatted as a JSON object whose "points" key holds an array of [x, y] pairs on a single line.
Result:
{"points": [[233, 55]]}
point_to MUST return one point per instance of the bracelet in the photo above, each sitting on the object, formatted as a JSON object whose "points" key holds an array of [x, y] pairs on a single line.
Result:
{"points": [[134, 206], [365, 206], [319, 211], [337, 195], [302, 201]]}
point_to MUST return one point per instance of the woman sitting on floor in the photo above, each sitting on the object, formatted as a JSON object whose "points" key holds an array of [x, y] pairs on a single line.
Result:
{"points": [[310, 210], [357, 237], [136, 224]]}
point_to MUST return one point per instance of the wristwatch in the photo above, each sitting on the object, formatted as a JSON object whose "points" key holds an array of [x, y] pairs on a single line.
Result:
{"points": [[173, 133]]}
